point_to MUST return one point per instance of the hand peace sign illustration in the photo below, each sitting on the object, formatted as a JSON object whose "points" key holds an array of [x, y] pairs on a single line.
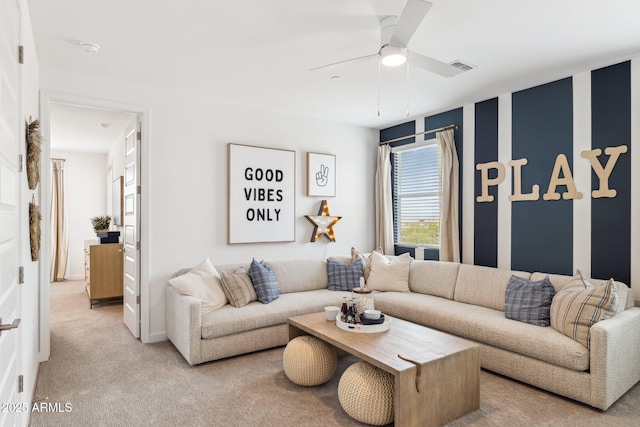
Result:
{"points": [[322, 177]]}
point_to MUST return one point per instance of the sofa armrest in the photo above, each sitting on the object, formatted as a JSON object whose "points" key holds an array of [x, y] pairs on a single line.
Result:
{"points": [[184, 325], [615, 351]]}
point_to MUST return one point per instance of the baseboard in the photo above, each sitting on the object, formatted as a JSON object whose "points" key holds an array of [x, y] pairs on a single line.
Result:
{"points": [[76, 278], [158, 337]]}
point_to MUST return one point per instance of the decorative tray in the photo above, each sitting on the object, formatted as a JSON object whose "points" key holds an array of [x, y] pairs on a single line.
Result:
{"points": [[364, 329]]}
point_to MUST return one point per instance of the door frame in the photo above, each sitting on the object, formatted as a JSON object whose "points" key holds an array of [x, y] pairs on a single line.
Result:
{"points": [[46, 99]]}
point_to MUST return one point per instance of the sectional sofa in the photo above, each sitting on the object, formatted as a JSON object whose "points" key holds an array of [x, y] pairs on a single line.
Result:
{"points": [[464, 300]]}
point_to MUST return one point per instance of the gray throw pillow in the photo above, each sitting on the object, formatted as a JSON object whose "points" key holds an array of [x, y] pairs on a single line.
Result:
{"points": [[344, 277], [264, 281], [529, 302]]}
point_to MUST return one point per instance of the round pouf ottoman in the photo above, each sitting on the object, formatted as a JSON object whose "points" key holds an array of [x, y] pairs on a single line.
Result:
{"points": [[309, 361], [366, 394]]}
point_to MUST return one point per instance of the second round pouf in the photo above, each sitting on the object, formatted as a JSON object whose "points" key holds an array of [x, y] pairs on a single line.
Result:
{"points": [[366, 394], [309, 361]]}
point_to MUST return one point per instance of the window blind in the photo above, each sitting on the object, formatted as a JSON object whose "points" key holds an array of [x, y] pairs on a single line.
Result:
{"points": [[416, 190]]}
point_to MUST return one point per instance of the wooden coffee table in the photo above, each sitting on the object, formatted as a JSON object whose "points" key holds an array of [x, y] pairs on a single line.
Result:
{"points": [[437, 376]]}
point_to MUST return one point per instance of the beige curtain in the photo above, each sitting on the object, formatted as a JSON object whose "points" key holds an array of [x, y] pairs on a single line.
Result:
{"points": [[449, 233], [384, 201], [59, 232]]}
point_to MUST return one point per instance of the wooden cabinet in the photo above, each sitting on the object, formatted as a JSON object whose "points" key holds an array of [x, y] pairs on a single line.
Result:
{"points": [[102, 270]]}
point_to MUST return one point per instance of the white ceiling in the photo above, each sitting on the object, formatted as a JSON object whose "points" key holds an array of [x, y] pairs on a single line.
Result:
{"points": [[90, 130], [260, 52]]}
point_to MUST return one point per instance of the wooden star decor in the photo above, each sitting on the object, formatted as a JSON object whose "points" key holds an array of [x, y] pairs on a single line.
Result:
{"points": [[323, 223]]}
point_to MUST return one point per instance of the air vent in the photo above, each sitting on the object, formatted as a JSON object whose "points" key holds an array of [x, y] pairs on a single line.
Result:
{"points": [[462, 66]]}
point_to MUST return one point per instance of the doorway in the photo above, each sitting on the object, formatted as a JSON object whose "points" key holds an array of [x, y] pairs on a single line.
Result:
{"points": [[90, 135]]}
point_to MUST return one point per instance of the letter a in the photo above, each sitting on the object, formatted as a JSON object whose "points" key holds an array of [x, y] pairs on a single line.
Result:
{"points": [[562, 165]]}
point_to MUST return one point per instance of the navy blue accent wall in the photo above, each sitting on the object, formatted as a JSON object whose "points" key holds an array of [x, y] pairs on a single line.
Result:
{"points": [[485, 215], [611, 217], [454, 117], [398, 131], [542, 128]]}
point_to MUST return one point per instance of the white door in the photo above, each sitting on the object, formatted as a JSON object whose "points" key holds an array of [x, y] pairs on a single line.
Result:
{"points": [[131, 239], [10, 211]]}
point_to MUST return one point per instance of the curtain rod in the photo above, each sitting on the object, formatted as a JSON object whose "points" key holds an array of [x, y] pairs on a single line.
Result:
{"points": [[418, 134]]}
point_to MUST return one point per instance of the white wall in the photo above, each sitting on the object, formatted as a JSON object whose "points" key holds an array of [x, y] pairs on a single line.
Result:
{"points": [[86, 195], [184, 178]]}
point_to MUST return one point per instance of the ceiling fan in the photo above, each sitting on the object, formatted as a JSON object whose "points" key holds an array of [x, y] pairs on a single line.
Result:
{"points": [[396, 32]]}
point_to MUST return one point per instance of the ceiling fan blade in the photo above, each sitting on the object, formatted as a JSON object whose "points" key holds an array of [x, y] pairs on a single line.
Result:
{"points": [[411, 18], [360, 58], [433, 65]]}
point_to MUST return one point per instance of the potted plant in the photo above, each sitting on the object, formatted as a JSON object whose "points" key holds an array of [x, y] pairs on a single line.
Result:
{"points": [[101, 223]]}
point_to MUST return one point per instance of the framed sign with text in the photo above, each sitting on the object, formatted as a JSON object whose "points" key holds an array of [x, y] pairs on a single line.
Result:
{"points": [[261, 194]]}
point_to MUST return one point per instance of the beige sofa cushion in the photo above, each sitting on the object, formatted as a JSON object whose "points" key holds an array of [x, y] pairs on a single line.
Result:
{"points": [[232, 268], [229, 320], [346, 260], [300, 275], [487, 326], [558, 281], [433, 278], [484, 286]]}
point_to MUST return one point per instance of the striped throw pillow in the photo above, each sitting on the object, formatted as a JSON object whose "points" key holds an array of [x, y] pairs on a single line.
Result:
{"points": [[238, 288], [579, 305]]}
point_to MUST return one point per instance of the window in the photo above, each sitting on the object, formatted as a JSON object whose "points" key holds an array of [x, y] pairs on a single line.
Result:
{"points": [[416, 194]]}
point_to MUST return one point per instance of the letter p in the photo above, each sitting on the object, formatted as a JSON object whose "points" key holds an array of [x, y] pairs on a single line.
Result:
{"points": [[486, 181]]}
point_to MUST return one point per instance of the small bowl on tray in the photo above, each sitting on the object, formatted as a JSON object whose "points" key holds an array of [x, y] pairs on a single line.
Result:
{"points": [[367, 321], [371, 314]]}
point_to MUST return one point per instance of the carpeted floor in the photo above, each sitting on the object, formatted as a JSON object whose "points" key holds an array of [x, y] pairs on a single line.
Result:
{"points": [[99, 375]]}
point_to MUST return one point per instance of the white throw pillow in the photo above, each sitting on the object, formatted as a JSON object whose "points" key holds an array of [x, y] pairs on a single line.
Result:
{"points": [[203, 283], [389, 274]]}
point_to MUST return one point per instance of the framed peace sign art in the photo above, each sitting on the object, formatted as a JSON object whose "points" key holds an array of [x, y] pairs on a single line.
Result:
{"points": [[321, 175]]}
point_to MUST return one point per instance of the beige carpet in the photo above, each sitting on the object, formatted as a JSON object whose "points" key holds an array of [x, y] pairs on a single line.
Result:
{"points": [[111, 379]]}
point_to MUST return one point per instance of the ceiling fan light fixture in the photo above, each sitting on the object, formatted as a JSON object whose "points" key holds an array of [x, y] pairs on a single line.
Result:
{"points": [[393, 56]]}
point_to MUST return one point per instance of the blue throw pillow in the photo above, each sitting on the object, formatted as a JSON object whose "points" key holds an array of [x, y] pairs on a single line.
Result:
{"points": [[344, 277], [529, 302], [264, 281]]}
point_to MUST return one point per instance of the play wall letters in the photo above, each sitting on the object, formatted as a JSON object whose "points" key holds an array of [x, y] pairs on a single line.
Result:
{"points": [[561, 176]]}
